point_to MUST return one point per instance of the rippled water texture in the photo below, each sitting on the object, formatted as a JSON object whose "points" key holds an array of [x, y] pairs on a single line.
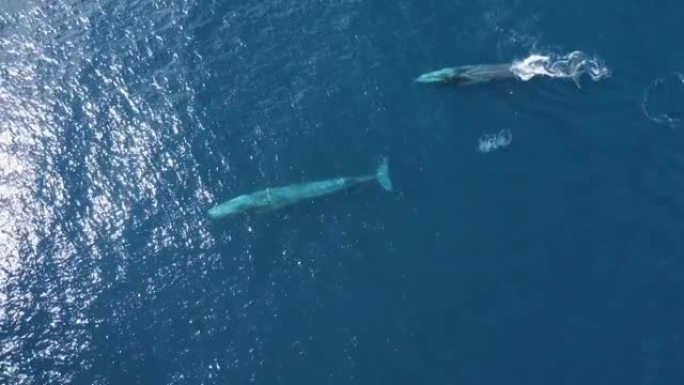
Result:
{"points": [[104, 239], [90, 96], [123, 121]]}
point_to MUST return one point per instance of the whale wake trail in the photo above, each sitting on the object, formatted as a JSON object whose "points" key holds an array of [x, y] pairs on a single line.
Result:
{"points": [[570, 66]]}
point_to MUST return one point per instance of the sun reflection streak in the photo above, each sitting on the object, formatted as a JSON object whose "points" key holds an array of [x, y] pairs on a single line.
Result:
{"points": [[68, 109], [100, 190], [20, 121]]}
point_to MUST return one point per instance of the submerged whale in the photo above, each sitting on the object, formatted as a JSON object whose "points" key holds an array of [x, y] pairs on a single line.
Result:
{"points": [[277, 197], [468, 74]]}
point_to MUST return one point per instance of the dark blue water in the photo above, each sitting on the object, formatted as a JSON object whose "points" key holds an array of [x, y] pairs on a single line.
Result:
{"points": [[556, 260]]}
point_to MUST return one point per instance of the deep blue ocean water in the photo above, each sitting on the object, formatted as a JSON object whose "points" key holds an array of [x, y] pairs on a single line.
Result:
{"points": [[556, 260]]}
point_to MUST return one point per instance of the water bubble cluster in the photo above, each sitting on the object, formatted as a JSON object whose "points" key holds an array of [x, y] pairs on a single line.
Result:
{"points": [[492, 142]]}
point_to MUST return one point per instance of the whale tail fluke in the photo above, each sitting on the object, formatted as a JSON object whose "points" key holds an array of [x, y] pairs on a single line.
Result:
{"points": [[383, 177]]}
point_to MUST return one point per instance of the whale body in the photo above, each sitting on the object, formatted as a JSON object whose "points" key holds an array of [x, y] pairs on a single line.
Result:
{"points": [[468, 74], [278, 197]]}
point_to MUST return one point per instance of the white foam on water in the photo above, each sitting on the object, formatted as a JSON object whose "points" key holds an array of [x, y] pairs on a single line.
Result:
{"points": [[663, 98], [570, 66], [492, 142]]}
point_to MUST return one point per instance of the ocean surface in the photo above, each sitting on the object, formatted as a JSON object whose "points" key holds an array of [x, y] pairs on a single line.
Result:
{"points": [[556, 258]]}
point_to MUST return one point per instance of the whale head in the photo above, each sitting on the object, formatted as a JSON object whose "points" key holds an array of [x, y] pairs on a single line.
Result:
{"points": [[219, 212], [232, 207], [445, 75]]}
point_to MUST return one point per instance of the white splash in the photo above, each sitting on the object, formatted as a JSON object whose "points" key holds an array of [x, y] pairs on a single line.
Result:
{"points": [[570, 66], [492, 142]]}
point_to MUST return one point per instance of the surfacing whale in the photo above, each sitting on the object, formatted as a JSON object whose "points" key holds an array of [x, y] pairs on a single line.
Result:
{"points": [[468, 74], [278, 197]]}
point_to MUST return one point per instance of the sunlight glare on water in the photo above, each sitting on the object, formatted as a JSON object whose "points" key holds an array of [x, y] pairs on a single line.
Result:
{"points": [[66, 108], [122, 122]]}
